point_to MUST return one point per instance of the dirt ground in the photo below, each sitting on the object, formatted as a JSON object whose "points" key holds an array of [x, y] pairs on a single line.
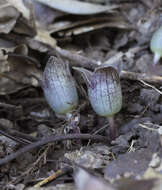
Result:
{"points": [[29, 35]]}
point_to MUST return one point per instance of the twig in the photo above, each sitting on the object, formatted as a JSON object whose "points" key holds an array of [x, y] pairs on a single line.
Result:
{"points": [[32, 167], [48, 179], [18, 140], [17, 136], [146, 127], [97, 131], [153, 87], [79, 60], [58, 173], [49, 140], [26, 137], [141, 76]]}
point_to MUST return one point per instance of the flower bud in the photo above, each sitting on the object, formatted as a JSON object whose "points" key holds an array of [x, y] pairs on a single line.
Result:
{"points": [[59, 86], [104, 90], [156, 45], [104, 93]]}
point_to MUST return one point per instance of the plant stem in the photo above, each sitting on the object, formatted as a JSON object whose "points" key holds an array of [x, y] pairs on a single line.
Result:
{"points": [[112, 128]]}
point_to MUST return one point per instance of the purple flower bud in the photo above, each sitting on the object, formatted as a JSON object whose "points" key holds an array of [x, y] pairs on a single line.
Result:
{"points": [[59, 86], [104, 90], [104, 93]]}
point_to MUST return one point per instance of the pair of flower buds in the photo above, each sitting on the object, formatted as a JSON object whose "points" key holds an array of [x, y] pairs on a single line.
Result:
{"points": [[103, 85]]}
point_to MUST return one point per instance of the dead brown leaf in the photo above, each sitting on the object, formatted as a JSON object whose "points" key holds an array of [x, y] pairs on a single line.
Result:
{"points": [[78, 7], [8, 17]]}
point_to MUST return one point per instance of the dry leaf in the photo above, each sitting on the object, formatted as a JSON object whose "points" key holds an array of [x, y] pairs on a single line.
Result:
{"points": [[77, 7], [134, 164], [15, 72], [128, 184], [8, 17], [44, 37], [43, 14], [19, 5]]}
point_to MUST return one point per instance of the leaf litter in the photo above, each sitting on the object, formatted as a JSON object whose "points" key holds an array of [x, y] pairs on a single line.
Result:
{"points": [[86, 34]]}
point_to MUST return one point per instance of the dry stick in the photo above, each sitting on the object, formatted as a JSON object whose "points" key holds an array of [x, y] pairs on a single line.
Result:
{"points": [[31, 168], [27, 138], [49, 140], [80, 60], [153, 87], [58, 173], [48, 179], [141, 76], [17, 136], [21, 141]]}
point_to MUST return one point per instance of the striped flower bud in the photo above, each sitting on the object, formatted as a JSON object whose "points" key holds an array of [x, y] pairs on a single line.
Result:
{"points": [[104, 92], [59, 86]]}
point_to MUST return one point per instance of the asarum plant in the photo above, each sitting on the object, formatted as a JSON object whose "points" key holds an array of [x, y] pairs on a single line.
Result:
{"points": [[59, 86], [104, 93]]}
